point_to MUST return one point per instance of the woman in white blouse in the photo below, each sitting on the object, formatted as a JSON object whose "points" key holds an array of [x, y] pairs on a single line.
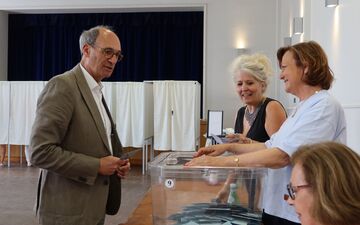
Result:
{"points": [[318, 117]]}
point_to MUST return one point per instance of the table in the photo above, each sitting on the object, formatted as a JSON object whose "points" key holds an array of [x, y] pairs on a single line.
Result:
{"points": [[143, 213]]}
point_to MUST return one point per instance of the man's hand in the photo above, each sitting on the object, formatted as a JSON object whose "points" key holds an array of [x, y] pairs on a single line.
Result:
{"points": [[124, 169], [110, 164]]}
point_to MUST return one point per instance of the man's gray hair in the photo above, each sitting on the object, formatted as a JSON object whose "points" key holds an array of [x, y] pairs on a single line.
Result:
{"points": [[89, 36]]}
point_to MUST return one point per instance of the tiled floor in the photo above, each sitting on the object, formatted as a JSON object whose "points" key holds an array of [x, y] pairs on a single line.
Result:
{"points": [[18, 191]]}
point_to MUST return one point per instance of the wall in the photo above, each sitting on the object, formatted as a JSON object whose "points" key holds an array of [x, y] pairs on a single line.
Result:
{"points": [[336, 30], [252, 22], [288, 9], [3, 45]]}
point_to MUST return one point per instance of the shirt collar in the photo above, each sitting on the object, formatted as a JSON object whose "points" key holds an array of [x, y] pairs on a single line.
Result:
{"points": [[93, 85]]}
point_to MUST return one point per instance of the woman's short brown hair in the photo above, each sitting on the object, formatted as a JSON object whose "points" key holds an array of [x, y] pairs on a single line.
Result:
{"points": [[310, 55], [333, 171]]}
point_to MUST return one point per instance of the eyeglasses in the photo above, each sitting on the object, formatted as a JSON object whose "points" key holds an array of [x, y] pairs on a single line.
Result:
{"points": [[110, 52], [293, 189]]}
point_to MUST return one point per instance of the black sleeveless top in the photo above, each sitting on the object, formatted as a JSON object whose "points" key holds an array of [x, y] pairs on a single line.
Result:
{"points": [[257, 131]]}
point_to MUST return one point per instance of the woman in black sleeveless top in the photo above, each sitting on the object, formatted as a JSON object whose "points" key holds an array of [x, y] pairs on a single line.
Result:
{"points": [[257, 131], [260, 117]]}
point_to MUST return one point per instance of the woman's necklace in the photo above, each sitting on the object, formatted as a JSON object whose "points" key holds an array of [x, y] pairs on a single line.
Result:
{"points": [[250, 117]]}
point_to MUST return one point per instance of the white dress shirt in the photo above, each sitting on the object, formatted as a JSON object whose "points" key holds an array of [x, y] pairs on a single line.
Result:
{"points": [[97, 94]]}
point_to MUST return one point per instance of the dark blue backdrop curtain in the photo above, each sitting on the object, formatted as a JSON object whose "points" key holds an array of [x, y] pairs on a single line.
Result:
{"points": [[156, 45]]}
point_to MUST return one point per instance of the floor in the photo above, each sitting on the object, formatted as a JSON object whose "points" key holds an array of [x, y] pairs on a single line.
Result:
{"points": [[18, 191]]}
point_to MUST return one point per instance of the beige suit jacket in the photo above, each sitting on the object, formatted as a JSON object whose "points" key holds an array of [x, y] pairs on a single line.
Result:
{"points": [[68, 139]]}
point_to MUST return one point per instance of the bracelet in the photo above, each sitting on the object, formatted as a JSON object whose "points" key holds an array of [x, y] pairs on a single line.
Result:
{"points": [[236, 160]]}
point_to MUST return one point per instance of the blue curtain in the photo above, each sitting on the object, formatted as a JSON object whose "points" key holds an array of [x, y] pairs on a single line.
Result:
{"points": [[156, 45]]}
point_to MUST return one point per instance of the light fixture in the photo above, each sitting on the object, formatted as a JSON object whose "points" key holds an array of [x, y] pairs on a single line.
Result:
{"points": [[331, 3], [287, 41], [241, 51], [298, 25]]}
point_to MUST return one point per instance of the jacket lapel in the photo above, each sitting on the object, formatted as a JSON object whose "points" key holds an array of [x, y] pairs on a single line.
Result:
{"points": [[91, 104]]}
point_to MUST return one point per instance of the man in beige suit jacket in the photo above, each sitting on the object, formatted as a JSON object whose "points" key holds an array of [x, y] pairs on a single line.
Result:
{"points": [[74, 140]]}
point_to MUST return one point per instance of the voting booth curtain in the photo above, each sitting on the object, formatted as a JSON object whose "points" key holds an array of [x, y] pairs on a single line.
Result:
{"points": [[126, 101], [4, 111], [130, 105], [165, 110], [17, 110], [176, 115]]}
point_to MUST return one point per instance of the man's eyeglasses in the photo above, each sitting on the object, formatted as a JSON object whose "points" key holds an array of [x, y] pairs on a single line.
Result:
{"points": [[293, 189], [110, 52]]}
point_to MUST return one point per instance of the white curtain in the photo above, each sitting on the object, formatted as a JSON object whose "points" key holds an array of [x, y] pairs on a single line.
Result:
{"points": [[162, 115], [129, 106], [4, 111], [167, 110], [184, 120], [148, 110], [130, 103], [23, 99], [176, 115]]}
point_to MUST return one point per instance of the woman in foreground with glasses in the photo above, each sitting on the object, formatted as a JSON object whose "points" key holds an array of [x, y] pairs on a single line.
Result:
{"points": [[318, 117], [325, 184]]}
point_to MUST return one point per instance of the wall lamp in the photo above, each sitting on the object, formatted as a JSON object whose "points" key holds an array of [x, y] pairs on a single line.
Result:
{"points": [[241, 51], [331, 3], [298, 25]]}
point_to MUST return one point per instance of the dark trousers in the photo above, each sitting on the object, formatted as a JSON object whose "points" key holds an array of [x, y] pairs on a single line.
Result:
{"points": [[274, 220]]}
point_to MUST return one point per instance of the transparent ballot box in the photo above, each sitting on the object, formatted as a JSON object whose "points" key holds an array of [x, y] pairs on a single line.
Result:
{"points": [[204, 195]]}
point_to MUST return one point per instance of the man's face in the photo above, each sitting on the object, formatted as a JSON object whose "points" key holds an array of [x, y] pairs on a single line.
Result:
{"points": [[100, 59]]}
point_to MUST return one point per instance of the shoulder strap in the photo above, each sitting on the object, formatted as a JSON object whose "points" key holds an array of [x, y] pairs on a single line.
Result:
{"points": [[108, 113], [115, 141]]}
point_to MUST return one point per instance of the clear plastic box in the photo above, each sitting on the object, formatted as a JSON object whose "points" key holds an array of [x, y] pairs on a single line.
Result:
{"points": [[202, 195]]}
